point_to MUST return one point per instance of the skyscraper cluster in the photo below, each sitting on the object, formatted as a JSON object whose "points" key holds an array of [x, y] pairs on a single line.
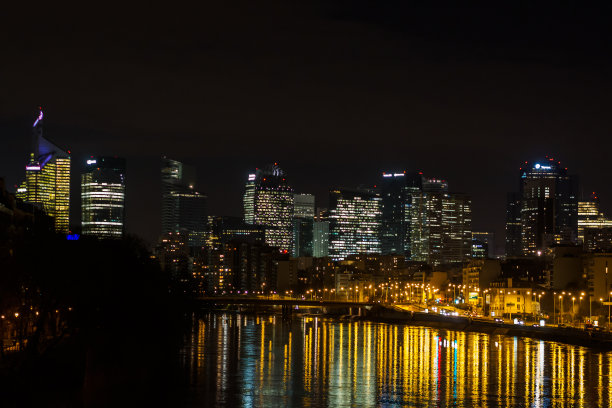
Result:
{"points": [[47, 186], [407, 215]]}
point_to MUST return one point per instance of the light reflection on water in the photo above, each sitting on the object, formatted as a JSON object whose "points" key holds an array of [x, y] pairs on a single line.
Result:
{"points": [[250, 361]]}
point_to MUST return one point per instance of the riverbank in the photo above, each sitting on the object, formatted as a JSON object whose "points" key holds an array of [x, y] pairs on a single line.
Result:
{"points": [[383, 314], [601, 340]]}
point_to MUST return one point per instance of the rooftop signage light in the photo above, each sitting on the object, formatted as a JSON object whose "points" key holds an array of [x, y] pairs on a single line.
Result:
{"points": [[538, 166], [38, 119]]}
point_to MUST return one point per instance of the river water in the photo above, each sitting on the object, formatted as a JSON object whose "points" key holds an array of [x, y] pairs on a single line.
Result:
{"points": [[236, 360]]}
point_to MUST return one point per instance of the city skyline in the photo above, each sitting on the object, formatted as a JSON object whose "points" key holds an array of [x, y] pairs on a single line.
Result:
{"points": [[461, 93], [190, 174], [315, 203]]}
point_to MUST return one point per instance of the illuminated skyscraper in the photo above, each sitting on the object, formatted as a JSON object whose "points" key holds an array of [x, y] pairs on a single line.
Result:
{"points": [[441, 229], [397, 190], [355, 217], [47, 182], [548, 206], [183, 208], [103, 197], [269, 201], [589, 216]]}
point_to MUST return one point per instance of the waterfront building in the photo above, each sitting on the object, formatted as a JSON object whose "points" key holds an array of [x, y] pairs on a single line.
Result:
{"points": [[103, 197], [287, 275], [513, 299], [183, 207], [548, 206], [598, 272], [477, 276], [354, 222], [269, 201], [566, 267], [47, 179], [397, 190], [441, 226]]}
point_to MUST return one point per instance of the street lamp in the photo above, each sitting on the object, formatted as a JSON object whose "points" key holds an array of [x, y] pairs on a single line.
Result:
{"points": [[554, 309]]}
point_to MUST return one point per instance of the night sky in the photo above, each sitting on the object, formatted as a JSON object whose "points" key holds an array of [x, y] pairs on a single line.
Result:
{"points": [[335, 91]]}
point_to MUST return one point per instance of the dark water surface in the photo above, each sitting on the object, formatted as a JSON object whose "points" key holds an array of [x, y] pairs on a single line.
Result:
{"points": [[235, 360]]}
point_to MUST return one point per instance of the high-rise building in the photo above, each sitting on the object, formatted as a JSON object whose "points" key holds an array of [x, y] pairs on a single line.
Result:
{"points": [[441, 226], [269, 201], [103, 197], [397, 190], [590, 216], [486, 242], [303, 224], [47, 181], [320, 239], [183, 208], [303, 236], [320, 234], [549, 206], [355, 217], [513, 225], [304, 205]]}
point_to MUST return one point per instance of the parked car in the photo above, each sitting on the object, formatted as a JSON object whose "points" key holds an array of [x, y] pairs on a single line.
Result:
{"points": [[498, 320]]}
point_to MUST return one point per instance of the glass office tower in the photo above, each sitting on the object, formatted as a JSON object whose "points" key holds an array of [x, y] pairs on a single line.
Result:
{"points": [[355, 219], [103, 197], [269, 201]]}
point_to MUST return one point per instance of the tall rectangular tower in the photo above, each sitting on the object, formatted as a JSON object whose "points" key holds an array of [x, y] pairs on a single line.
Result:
{"points": [[355, 218], [183, 208], [441, 227], [549, 206], [269, 201], [397, 190], [103, 197]]}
